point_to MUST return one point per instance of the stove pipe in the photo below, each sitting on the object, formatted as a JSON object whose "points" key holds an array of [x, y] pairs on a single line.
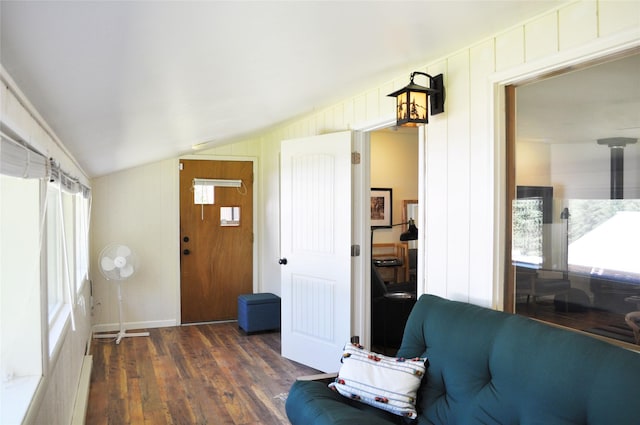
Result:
{"points": [[616, 145]]}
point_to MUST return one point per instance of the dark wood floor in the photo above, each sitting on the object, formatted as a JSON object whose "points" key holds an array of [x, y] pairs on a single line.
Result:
{"points": [[204, 374]]}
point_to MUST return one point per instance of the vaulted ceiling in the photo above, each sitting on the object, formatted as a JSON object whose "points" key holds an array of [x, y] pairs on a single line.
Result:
{"points": [[127, 83]]}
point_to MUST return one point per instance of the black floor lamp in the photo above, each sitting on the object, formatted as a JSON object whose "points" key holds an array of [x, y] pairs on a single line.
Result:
{"points": [[411, 234]]}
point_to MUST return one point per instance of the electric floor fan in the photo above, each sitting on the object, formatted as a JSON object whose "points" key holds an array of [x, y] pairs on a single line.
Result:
{"points": [[118, 263]]}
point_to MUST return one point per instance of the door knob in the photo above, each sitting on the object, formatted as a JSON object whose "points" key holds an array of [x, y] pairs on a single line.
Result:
{"points": [[282, 261], [186, 252]]}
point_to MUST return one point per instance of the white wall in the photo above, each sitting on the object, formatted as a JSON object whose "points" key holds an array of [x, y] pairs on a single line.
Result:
{"points": [[464, 156], [139, 208]]}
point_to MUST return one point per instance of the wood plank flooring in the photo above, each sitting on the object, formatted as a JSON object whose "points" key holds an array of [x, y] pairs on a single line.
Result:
{"points": [[203, 374], [596, 322]]}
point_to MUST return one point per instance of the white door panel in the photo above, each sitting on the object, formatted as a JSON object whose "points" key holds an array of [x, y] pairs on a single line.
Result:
{"points": [[316, 240]]}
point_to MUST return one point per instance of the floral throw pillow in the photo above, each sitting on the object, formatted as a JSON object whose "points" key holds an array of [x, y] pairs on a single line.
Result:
{"points": [[388, 383]]}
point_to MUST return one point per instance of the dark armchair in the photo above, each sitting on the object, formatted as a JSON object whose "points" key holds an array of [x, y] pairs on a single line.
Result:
{"points": [[390, 308]]}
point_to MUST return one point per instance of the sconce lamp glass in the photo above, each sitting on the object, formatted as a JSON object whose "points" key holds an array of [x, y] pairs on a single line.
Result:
{"points": [[411, 101]]}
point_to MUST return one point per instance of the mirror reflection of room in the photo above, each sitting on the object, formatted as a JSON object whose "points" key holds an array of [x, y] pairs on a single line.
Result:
{"points": [[576, 213]]}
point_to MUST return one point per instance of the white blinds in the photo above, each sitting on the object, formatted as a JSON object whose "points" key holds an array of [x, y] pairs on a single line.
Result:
{"points": [[18, 160], [67, 183]]}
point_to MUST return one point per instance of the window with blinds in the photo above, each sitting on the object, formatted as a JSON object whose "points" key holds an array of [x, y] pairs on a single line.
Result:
{"points": [[44, 261]]}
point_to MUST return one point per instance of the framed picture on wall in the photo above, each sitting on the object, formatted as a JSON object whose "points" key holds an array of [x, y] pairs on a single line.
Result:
{"points": [[381, 207]]}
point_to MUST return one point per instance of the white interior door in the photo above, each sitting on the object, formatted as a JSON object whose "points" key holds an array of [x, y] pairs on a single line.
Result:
{"points": [[316, 243]]}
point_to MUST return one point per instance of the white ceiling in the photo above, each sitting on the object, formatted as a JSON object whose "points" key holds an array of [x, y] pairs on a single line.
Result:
{"points": [[127, 83]]}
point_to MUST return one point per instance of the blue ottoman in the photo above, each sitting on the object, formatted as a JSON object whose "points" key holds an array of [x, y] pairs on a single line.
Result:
{"points": [[258, 312]]}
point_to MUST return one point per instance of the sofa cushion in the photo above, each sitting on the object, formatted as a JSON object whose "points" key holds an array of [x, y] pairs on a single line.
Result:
{"points": [[313, 403], [387, 383]]}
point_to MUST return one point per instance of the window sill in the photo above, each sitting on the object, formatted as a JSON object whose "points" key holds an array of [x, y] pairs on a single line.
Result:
{"points": [[56, 330], [15, 398]]}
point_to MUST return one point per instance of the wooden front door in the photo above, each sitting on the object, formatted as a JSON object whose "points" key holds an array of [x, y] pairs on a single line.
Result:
{"points": [[216, 238]]}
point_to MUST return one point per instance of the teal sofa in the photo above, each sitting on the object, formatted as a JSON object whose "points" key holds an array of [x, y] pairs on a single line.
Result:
{"points": [[490, 367]]}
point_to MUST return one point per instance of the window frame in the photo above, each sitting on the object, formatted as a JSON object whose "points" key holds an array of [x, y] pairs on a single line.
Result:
{"points": [[508, 100]]}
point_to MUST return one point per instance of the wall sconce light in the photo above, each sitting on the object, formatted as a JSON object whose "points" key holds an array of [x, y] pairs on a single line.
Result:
{"points": [[411, 101]]}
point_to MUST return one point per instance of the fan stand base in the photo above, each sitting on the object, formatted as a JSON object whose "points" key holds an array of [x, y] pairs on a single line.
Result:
{"points": [[123, 332], [120, 335]]}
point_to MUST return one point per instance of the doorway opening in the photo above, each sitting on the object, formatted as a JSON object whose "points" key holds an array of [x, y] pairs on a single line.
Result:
{"points": [[394, 181]]}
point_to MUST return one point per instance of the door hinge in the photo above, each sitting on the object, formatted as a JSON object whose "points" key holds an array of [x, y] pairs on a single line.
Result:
{"points": [[355, 158], [181, 166], [355, 250]]}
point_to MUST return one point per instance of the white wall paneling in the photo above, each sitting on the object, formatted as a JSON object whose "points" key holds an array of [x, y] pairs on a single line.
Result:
{"points": [[437, 193], [578, 24], [510, 48], [615, 16], [541, 37], [481, 166], [458, 156]]}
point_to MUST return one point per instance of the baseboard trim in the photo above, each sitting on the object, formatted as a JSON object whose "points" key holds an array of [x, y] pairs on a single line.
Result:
{"points": [[110, 327], [82, 395]]}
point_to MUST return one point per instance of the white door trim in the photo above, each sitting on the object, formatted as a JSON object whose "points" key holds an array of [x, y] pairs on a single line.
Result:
{"points": [[361, 323], [360, 274]]}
